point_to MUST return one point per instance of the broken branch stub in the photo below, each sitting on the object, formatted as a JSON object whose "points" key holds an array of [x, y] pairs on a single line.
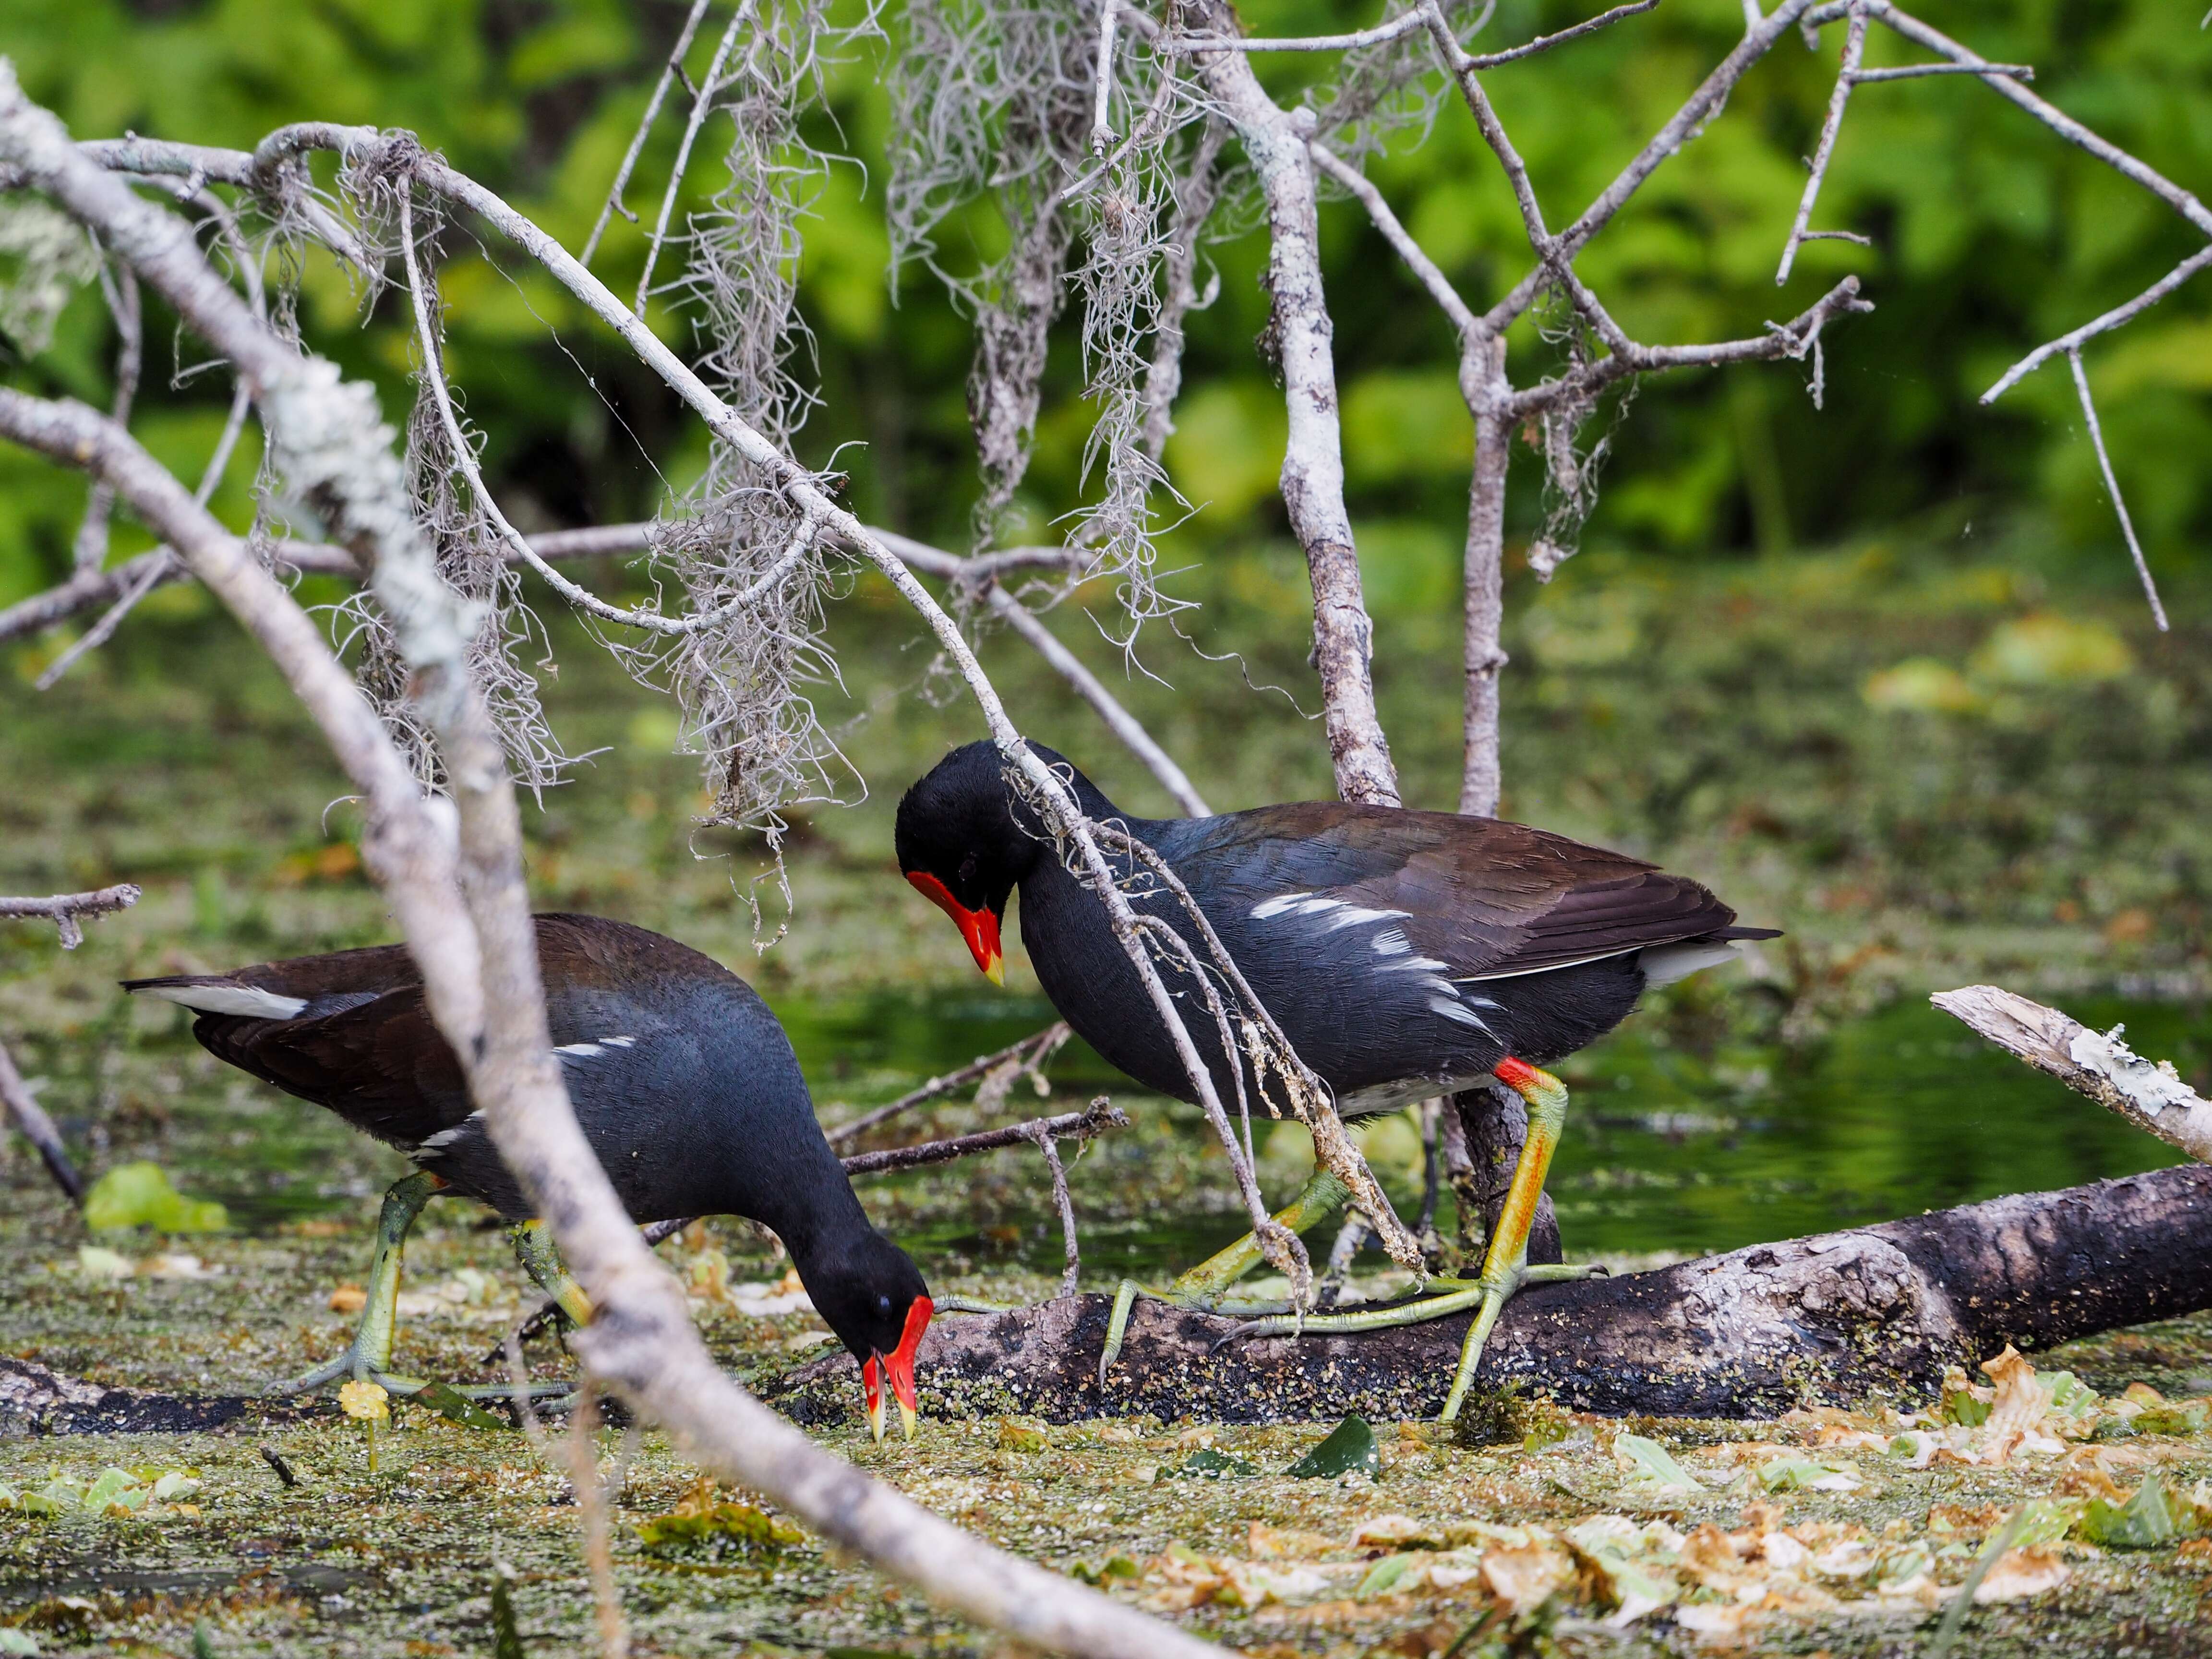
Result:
{"points": [[2150, 1094]]}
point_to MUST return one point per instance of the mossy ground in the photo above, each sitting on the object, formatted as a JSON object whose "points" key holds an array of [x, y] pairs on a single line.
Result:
{"points": [[2048, 833]]}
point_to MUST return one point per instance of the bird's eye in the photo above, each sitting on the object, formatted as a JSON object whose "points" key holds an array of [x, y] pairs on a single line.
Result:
{"points": [[883, 1304]]}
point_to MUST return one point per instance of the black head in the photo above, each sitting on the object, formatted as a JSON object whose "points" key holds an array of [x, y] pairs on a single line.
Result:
{"points": [[961, 844], [876, 1300]]}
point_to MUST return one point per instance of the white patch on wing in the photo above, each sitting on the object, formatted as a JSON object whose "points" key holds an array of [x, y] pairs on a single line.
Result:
{"points": [[247, 1001], [1390, 942], [1355, 915], [435, 1146], [1453, 1008], [591, 1050], [1268, 909], [621, 1042]]}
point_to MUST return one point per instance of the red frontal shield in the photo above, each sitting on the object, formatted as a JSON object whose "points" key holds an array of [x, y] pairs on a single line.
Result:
{"points": [[979, 928]]}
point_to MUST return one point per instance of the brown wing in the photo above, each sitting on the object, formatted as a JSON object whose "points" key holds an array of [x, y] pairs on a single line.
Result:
{"points": [[1487, 898]]}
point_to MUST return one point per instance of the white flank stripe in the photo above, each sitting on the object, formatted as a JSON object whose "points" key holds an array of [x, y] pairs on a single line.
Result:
{"points": [[1451, 1008], [579, 1051], [1268, 909], [435, 1146], [1354, 914], [1391, 942], [620, 1042], [245, 1001]]}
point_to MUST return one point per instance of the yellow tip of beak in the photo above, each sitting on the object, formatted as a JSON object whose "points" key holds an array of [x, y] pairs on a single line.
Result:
{"points": [[876, 1421], [906, 1418], [996, 973]]}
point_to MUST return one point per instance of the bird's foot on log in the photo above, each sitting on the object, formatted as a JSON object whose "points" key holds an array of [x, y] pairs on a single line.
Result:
{"points": [[1205, 1287]]}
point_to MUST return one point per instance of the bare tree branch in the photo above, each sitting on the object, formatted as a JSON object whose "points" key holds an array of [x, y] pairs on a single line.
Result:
{"points": [[1096, 1118], [703, 104], [67, 910], [1275, 140], [1032, 1052], [669, 70], [2152, 1096], [2072, 344], [120, 288], [17, 1102], [1854, 50], [2112, 488]]}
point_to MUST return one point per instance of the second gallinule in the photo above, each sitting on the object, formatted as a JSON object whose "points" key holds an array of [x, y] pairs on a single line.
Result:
{"points": [[684, 1085], [1404, 954]]}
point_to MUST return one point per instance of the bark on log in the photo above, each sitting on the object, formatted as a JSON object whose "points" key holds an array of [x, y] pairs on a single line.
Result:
{"points": [[1872, 1313]]}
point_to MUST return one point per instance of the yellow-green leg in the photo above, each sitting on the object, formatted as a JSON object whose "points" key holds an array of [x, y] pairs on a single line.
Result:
{"points": [[1204, 1287], [368, 1356], [535, 1249], [1505, 1266]]}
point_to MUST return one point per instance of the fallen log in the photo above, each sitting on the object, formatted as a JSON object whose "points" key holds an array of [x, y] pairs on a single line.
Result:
{"points": [[34, 1400], [1871, 1313]]}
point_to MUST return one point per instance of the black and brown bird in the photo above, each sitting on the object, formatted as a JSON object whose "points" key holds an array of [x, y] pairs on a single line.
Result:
{"points": [[683, 1082], [1403, 954]]}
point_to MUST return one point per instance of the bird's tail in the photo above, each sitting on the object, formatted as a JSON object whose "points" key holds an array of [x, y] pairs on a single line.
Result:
{"points": [[217, 993]]}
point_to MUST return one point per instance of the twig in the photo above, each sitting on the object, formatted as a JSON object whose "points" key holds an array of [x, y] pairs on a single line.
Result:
{"points": [[66, 910], [154, 572], [1034, 1051], [579, 1450], [120, 289], [1416, 260], [1096, 1118], [1915, 72], [16, 1099], [1194, 45], [613, 204], [1854, 50], [1102, 128], [1088, 686], [703, 103], [1072, 1275], [1546, 42], [2153, 1098], [518, 545], [2072, 344], [2112, 488]]}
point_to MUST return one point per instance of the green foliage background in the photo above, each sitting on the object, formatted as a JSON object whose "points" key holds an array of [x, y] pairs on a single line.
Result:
{"points": [[1990, 235]]}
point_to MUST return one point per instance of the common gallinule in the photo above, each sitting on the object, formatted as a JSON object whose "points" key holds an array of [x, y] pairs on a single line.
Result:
{"points": [[684, 1082], [1404, 954]]}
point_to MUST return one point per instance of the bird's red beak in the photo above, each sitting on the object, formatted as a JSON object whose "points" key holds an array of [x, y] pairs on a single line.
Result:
{"points": [[979, 928], [898, 1366]]}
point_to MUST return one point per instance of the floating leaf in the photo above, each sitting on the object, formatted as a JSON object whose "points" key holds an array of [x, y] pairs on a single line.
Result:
{"points": [[1023, 1434], [1652, 1465], [2178, 1417], [110, 1485], [1383, 1575], [1119, 1566], [2144, 1521], [1349, 1445], [1207, 1464], [365, 1400], [18, 1643], [450, 1403], [704, 1522], [139, 1195], [1793, 1474]]}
